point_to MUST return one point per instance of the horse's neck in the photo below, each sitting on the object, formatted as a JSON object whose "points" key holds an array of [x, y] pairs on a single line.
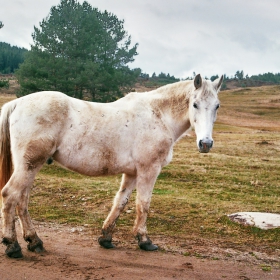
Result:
{"points": [[172, 103]]}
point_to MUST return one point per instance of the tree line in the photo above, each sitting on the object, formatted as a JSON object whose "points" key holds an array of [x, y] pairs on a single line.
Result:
{"points": [[10, 58], [156, 80], [243, 80]]}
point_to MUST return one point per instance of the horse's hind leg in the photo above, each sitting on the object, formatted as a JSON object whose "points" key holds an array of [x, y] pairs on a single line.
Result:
{"points": [[9, 202], [35, 244], [121, 199], [11, 195], [15, 195]]}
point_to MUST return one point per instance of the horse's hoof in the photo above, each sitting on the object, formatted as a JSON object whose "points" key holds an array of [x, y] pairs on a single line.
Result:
{"points": [[15, 255], [148, 246], [36, 246], [13, 250], [105, 243]]}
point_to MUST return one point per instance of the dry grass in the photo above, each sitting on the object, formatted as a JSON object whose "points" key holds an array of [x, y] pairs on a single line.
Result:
{"points": [[256, 108], [5, 97], [195, 192], [13, 86]]}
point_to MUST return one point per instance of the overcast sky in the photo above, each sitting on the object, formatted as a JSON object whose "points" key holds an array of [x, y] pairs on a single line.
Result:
{"points": [[179, 36]]}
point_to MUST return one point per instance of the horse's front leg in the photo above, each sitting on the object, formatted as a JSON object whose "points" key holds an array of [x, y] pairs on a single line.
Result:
{"points": [[121, 199], [145, 185]]}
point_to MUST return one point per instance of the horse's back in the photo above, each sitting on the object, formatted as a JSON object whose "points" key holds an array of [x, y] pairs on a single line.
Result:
{"points": [[40, 103]]}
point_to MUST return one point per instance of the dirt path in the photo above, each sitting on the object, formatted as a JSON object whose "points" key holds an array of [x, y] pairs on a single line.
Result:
{"points": [[73, 253]]}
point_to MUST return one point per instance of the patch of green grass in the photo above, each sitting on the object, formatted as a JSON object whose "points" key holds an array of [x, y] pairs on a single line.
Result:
{"points": [[161, 191], [266, 267]]}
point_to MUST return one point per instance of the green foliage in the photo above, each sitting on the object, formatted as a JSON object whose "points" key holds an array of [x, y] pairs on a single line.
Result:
{"points": [[213, 78], [4, 84], [80, 51], [239, 75], [156, 81], [267, 77], [266, 267], [10, 57], [242, 80]]}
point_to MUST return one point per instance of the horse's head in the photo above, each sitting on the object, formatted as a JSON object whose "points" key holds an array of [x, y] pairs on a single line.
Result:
{"points": [[204, 104]]}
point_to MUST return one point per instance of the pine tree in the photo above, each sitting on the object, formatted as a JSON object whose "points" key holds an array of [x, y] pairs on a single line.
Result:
{"points": [[10, 57], [80, 51]]}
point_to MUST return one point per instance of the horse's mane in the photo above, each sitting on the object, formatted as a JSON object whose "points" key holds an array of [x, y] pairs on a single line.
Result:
{"points": [[173, 97]]}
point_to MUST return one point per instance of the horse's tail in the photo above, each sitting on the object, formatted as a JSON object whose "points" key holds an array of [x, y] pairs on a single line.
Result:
{"points": [[6, 163]]}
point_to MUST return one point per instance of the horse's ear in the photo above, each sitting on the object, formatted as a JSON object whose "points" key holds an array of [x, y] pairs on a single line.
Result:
{"points": [[218, 83], [197, 81]]}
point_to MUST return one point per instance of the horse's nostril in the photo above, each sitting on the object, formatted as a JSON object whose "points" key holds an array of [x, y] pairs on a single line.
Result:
{"points": [[200, 144], [205, 145]]}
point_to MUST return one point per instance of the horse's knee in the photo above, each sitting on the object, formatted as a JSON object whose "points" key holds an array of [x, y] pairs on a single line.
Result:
{"points": [[12, 195], [13, 249], [142, 207], [9, 200], [122, 198]]}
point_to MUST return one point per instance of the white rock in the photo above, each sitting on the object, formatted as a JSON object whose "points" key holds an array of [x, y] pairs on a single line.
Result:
{"points": [[257, 219]]}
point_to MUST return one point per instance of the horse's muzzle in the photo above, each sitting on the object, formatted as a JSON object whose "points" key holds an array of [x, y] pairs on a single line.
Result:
{"points": [[205, 145]]}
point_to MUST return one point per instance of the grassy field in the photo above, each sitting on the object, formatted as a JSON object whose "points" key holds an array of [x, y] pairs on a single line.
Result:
{"points": [[194, 193]]}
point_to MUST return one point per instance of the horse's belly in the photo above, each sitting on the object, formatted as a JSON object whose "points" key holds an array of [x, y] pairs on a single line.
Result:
{"points": [[96, 163]]}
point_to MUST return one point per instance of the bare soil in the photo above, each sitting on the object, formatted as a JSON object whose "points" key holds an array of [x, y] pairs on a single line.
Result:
{"points": [[73, 253]]}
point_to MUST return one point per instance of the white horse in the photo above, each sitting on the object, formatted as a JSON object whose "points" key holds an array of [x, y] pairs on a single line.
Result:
{"points": [[134, 135]]}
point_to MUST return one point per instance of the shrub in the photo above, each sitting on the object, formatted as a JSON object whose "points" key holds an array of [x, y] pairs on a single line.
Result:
{"points": [[4, 84]]}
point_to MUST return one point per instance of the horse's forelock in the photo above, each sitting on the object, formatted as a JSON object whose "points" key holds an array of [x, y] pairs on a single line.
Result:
{"points": [[207, 90]]}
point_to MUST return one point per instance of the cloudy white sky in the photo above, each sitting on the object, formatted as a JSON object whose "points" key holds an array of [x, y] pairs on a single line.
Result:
{"points": [[179, 36]]}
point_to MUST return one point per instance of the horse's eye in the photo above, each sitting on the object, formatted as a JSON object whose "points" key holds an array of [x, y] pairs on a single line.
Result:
{"points": [[195, 106], [218, 106]]}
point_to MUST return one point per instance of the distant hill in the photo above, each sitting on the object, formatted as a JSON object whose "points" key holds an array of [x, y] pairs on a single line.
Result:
{"points": [[240, 80], [234, 83], [145, 82]]}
